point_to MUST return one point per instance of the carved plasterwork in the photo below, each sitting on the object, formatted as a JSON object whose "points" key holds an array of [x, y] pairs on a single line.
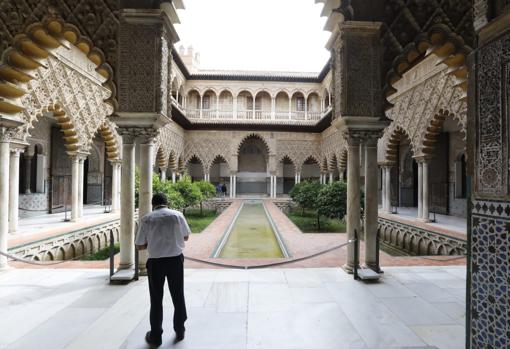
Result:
{"points": [[80, 95], [171, 143], [332, 146], [97, 19], [417, 105], [493, 113]]}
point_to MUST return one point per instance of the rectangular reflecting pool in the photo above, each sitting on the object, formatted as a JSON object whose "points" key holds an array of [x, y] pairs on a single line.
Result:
{"points": [[251, 235]]}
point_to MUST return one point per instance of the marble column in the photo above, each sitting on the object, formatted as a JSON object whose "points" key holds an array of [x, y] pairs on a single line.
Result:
{"points": [[163, 174], [387, 185], [4, 194], [75, 187], [127, 204], [420, 190], [173, 177], [383, 189], [371, 203], [331, 177], [81, 178], [14, 191], [115, 186], [353, 199], [235, 186], [425, 192], [299, 178], [28, 173], [145, 199]]}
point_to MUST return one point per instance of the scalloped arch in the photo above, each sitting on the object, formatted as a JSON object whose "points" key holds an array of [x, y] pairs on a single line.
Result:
{"points": [[31, 48], [393, 143], [256, 136], [441, 41]]}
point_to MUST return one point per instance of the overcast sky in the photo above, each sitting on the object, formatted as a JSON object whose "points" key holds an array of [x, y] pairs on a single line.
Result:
{"points": [[283, 35]]}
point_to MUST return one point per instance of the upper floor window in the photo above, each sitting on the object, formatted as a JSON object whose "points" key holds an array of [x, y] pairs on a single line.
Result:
{"points": [[300, 103], [206, 102]]}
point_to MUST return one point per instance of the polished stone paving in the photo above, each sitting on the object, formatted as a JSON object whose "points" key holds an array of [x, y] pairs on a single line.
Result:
{"points": [[411, 307]]}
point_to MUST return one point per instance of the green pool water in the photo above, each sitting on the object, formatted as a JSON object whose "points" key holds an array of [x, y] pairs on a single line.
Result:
{"points": [[252, 235]]}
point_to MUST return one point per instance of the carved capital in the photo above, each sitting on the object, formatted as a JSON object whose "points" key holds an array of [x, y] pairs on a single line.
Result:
{"points": [[146, 135], [7, 134]]}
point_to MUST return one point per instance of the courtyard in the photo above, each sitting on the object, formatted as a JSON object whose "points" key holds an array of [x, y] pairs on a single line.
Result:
{"points": [[411, 307]]}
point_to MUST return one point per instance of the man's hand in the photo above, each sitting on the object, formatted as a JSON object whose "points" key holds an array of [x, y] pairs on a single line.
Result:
{"points": [[141, 247], [186, 238]]}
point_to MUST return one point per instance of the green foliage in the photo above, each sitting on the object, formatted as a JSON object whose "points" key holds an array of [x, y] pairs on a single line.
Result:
{"points": [[137, 187], [207, 189], [332, 200], [175, 199], [305, 194], [307, 222], [101, 255], [189, 192], [198, 221]]}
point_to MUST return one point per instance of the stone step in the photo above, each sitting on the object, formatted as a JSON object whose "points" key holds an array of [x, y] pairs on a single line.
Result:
{"points": [[368, 274]]}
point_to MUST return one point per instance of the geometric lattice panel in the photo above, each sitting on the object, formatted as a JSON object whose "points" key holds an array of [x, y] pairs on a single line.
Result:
{"points": [[490, 276]]}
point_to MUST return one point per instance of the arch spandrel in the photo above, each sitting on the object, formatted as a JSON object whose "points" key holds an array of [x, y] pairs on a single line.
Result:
{"points": [[416, 108]]}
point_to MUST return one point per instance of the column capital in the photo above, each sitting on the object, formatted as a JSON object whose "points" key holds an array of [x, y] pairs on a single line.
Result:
{"points": [[422, 158], [6, 134], [76, 156], [146, 135], [115, 162]]}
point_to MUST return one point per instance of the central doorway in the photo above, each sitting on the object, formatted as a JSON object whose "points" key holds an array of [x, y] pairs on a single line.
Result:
{"points": [[252, 176]]}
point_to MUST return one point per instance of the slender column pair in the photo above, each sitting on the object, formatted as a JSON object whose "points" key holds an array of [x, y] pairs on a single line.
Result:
{"points": [[116, 168], [233, 179], [371, 202], [273, 186], [423, 190], [163, 173], [4, 193], [6, 132], [14, 190], [77, 177], [386, 189]]}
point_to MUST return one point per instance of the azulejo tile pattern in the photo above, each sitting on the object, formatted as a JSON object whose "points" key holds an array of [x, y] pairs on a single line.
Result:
{"points": [[490, 277]]}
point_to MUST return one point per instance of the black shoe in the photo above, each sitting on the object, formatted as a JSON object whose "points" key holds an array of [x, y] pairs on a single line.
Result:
{"points": [[179, 336], [155, 342]]}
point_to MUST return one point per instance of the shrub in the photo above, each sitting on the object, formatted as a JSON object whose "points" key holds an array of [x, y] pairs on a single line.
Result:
{"points": [[189, 192], [332, 200], [207, 190], [305, 195]]}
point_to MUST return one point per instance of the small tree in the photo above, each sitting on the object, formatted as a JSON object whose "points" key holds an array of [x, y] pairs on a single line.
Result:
{"points": [[207, 190], [332, 200], [175, 200], [305, 195], [190, 193]]}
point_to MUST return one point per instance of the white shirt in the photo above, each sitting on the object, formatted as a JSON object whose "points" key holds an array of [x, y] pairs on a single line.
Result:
{"points": [[163, 231]]}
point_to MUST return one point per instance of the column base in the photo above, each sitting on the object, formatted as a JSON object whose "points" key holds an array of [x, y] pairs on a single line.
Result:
{"points": [[348, 268], [423, 220], [375, 267], [123, 266]]}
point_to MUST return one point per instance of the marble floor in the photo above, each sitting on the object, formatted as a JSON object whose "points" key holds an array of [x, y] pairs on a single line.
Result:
{"points": [[412, 307], [456, 224], [34, 222]]}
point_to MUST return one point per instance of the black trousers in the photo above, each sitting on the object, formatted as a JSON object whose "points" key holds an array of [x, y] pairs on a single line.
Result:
{"points": [[171, 268]]}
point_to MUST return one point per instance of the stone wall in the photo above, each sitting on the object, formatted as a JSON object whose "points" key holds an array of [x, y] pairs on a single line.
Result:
{"points": [[70, 245]]}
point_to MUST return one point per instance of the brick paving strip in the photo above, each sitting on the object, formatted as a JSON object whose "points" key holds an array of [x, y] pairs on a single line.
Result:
{"points": [[299, 244]]}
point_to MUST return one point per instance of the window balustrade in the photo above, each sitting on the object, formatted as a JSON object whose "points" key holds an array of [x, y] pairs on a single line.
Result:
{"points": [[250, 114]]}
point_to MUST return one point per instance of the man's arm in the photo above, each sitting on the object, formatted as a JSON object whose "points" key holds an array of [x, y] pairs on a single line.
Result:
{"points": [[141, 237]]}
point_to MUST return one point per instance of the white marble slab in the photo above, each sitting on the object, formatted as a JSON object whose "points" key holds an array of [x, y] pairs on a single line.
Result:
{"points": [[273, 308]]}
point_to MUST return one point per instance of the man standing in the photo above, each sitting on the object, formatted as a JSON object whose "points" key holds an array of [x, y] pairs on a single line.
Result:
{"points": [[163, 233]]}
